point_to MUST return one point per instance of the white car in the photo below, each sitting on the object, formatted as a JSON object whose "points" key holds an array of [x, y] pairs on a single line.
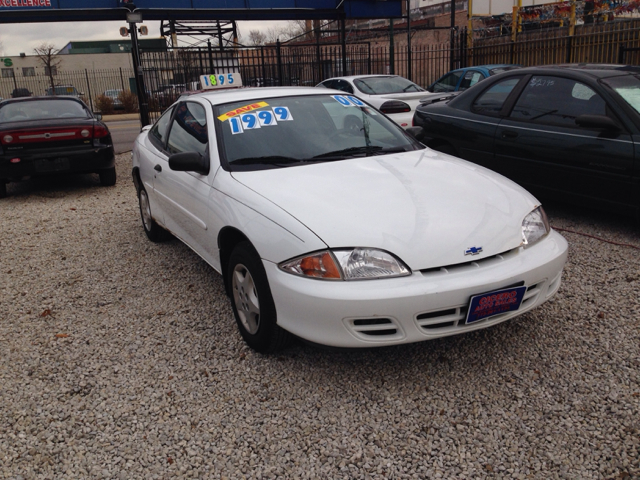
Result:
{"points": [[393, 95], [329, 222]]}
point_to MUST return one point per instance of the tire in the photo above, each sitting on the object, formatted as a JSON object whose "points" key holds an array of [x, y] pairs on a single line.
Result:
{"points": [[154, 232], [252, 302], [108, 177], [3, 188], [446, 148]]}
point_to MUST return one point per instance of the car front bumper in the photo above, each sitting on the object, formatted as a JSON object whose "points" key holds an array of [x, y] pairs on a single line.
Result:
{"points": [[425, 305], [18, 165]]}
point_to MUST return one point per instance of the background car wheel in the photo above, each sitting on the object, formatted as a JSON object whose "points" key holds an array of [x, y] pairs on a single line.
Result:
{"points": [[108, 177], [3, 188], [154, 232], [252, 302], [445, 148]]}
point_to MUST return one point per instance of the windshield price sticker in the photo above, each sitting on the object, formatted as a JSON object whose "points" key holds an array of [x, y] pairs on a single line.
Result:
{"points": [[282, 114], [495, 303], [249, 121], [267, 118], [264, 118], [220, 80], [241, 110], [348, 101], [236, 125]]}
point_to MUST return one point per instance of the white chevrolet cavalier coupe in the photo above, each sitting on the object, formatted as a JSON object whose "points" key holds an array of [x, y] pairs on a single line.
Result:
{"points": [[329, 222]]}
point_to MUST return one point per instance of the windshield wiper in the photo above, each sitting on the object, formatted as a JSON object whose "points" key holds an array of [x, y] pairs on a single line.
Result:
{"points": [[277, 160], [353, 151]]}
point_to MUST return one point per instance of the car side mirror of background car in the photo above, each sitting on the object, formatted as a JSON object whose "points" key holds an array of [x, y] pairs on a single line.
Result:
{"points": [[97, 115], [189, 162], [597, 121], [415, 132]]}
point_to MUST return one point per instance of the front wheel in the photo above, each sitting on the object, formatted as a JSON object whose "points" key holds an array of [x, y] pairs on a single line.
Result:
{"points": [[154, 232], [108, 177], [252, 303]]}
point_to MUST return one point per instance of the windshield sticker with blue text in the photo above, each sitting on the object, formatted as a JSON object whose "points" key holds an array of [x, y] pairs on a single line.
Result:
{"points": [[348, 101], [263, 118]]}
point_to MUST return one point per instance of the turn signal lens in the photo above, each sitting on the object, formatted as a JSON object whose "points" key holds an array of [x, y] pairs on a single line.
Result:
{"points": [[318, 265]]}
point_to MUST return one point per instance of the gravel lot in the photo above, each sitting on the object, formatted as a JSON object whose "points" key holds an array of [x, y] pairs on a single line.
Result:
{"points": [[121, 359]]}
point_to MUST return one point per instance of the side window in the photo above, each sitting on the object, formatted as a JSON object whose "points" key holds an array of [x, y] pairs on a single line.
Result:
{"points": [[328, 84], [470, 79], [344, 86], [188, 131], [491, 100], [557, 101], [158, 132], [447, 83]]}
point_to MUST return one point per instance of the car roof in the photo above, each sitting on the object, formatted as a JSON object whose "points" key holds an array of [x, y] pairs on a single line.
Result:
{"points": [[594, 70], [43, 97], [354, 77], [216, 97]]}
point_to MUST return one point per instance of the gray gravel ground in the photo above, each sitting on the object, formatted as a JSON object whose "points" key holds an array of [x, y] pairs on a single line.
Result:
{"points": [[120, 359]]}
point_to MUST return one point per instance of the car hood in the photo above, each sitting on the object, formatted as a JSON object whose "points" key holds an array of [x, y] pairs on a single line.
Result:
{"points": [[425, 207]]}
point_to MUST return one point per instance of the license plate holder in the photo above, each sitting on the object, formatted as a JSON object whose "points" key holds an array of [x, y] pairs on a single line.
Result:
{"points": [[494, 303], [53, 165]]}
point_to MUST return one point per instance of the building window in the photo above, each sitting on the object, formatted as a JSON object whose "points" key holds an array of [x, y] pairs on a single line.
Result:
{"points": [[54, 71], [28, 72], [7, 73]]}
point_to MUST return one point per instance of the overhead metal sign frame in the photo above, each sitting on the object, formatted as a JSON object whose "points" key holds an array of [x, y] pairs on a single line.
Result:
{"points": [[34, 11]]}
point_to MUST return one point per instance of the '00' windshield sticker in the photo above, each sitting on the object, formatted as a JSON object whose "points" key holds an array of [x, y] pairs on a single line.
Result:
{"points": [[264, 118], [349, 101]]}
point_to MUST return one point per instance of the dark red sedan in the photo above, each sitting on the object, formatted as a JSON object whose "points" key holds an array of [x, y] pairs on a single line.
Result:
{"points": [[42, 136]]}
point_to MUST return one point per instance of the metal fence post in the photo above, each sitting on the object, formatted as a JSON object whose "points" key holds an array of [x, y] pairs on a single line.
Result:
{"points": [[86, 74], [343, 32], [279, 61], [392, 50], [621, 54], [210, 57], [122, 79]]}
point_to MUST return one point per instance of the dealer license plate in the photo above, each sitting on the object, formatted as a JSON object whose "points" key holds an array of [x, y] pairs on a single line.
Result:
{"points": [[54, 165], [494, 303]]}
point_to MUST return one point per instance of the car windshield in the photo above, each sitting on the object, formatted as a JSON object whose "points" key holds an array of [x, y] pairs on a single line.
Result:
{"points": [[386, 85], [284, 131], [40, 110], [628, 87]]}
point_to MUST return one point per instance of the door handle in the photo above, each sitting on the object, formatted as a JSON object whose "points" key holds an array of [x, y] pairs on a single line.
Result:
{"points": [[509, 134], [157, 168]]}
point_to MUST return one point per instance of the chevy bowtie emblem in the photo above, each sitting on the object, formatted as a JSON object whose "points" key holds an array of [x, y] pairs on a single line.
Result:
{"points": [[473, 251]]}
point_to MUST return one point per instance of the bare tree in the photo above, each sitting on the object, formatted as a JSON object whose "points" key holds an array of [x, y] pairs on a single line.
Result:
{"points": [[48, 55], [256, 37]]}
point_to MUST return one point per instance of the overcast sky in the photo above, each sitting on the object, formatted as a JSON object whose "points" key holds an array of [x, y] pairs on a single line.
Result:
{"points": [[24, 37]]}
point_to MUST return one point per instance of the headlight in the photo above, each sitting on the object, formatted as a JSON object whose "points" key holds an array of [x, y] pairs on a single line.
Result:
{"points": [[534, 227], [347, 264]]}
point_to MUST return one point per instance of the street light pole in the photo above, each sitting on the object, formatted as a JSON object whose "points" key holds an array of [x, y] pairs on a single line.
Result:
{"points": [[132, 18]]}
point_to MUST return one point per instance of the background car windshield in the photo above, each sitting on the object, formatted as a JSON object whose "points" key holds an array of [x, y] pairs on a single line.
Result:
{"points": [[301, 128], [628, 87], [384, 85], [41, 109]]}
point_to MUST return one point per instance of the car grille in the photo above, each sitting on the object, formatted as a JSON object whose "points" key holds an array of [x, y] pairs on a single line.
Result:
{"points": [[454, 318], [378, 328], [471, 265]]}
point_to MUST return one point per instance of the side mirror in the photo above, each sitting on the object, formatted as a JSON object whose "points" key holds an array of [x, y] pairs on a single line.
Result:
{"points": [[98, 115], [430, 89], [189, 162], [415, 132], [597, 121]]}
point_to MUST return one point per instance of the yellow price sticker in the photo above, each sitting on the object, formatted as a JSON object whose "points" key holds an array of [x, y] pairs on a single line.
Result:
{"points": [[241, 110]]}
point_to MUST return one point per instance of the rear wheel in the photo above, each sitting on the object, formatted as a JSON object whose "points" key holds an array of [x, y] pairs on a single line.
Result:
{"points": [[252, 302], [154, 232], [108, 177]]}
